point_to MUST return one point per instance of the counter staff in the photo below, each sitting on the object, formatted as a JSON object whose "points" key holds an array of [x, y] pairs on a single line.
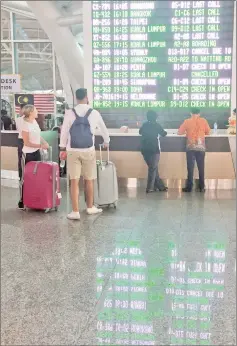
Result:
{"points": [[6, 120]]}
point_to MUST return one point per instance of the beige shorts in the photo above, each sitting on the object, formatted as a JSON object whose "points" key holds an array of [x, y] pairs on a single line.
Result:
{"points": [[81, 163]]}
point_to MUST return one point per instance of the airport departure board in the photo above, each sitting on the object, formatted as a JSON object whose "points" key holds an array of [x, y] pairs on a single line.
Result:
{"points": [[163, 55]]}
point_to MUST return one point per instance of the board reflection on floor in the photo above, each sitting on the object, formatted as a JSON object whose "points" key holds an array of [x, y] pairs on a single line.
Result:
{"points": [[167, 303]]}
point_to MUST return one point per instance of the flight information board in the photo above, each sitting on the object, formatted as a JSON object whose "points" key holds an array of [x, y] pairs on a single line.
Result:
{"points": [[163, 55]]}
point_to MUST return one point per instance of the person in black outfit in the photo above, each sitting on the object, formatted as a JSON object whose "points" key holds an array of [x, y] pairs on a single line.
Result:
{"points": [[150, 149], [7, 122], [62, 170]]}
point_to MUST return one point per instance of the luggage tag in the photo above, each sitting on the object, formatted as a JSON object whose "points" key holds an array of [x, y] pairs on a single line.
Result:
{"points": [[59, 195]]}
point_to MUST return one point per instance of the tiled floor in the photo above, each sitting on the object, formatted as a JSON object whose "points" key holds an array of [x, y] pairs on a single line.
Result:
{"points": [[159, 270]]}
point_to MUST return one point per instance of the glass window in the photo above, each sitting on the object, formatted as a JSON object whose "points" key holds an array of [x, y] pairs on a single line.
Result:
{"points": [[5, 25], [27, 29], [34, 61], [6, 58]]}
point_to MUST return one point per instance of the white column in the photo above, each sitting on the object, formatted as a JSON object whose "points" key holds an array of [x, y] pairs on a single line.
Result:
{"points": [[65, 82], [54, 81], [233, 92], [64, 43], [12, 44], [87, 30]]}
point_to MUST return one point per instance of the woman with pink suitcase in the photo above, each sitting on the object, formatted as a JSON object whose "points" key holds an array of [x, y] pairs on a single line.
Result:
{"points": [[33, 142]]}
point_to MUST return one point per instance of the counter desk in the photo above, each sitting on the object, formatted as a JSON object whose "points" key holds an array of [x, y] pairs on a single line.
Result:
{"points": [[9, 158], [220, 158], [125, 153]]}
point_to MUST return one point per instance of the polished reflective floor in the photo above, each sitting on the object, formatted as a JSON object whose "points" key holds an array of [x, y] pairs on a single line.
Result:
{"points": [[159, 270]]}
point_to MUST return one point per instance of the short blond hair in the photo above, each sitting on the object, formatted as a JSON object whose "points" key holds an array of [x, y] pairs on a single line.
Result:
{"points": [[27, 110]]}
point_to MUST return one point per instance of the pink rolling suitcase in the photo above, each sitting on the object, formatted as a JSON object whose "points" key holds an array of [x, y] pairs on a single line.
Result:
{"points": [[41, 189]]}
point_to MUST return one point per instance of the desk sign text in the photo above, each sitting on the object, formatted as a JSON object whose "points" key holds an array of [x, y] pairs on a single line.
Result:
{"points": [[10, 83]]}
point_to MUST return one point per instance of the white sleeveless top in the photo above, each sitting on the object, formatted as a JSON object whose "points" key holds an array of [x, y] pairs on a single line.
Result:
{"points": [[34, 135]]}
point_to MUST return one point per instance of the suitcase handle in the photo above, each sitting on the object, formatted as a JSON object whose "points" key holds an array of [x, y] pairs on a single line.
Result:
{"points": [[43, 158], [100, 146], [44, 155], [50, 150]]}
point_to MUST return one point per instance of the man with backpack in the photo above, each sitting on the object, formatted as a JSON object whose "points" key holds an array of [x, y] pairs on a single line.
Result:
{"points": [[77, 144]]}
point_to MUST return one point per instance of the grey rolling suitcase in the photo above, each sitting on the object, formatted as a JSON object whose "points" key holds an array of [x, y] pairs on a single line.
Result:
{"points": [[106, 184]]}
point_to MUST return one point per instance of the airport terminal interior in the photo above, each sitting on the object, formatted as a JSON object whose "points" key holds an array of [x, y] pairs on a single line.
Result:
{"points": [[153, 268]]}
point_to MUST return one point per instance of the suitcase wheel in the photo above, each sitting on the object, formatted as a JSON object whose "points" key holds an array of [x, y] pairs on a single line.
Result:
{"points": [[112, 205], [56, 208]]}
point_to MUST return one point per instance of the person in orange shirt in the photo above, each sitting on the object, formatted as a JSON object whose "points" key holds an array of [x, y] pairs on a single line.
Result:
{"points": [[195, 129]]}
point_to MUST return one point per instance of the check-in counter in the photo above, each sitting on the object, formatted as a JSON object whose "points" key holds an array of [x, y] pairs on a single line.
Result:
{"points": [[9, 158], [219, 166], [125, 153]]}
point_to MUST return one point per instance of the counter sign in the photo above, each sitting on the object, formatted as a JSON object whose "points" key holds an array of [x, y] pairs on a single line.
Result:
{"points": [[10, 83]]}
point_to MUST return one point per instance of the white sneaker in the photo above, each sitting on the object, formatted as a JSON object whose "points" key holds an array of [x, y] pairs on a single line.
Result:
{"points": [[74, 215], [93, 211]]}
